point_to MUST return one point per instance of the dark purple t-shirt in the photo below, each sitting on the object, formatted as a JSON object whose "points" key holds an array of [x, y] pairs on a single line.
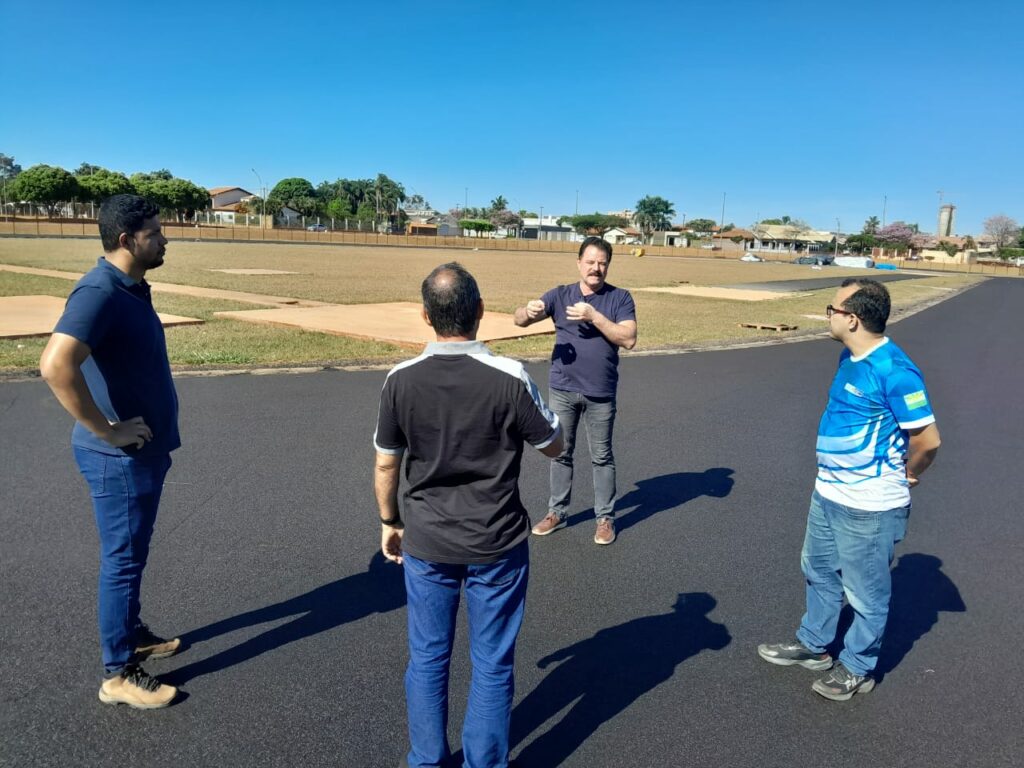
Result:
{"points": [[583, 360]]}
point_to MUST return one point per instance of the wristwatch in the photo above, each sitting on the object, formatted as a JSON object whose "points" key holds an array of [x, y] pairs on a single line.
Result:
{"points": [[392, 521]]}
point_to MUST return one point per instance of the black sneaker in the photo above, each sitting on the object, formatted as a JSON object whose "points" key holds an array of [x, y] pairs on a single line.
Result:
{"points": [[840, 684], [788, 654], [151, 646]]}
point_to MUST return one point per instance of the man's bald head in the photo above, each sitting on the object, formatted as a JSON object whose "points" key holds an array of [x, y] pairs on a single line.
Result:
{"points": [[451, 300]]}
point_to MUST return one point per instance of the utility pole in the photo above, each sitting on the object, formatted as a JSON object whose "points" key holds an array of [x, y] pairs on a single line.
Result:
{"points": [[263, 202], [837, 240], [577, 202], [885, 202]]}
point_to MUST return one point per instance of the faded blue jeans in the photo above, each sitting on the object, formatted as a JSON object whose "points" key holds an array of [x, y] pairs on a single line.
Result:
{"points": [[849, 551], [598, 416], [125, 495], [495, 599]]}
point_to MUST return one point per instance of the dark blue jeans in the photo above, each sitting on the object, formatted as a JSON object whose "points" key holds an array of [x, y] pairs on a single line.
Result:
{"points": [[495, 598], [125, 495], [849, 551]]}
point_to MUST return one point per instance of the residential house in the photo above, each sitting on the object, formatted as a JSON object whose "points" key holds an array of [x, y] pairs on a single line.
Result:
{"points": [[786, 238]]}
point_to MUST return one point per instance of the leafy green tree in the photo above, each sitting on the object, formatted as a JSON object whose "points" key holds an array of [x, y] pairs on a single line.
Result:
{"points": [[45, 185], [594, 222], [700, 225], [653, 213], [100, 184], [87, 169], [339, 208], [296, 193], [950, 249], [862, 243], [871, 226], [476, 225]]}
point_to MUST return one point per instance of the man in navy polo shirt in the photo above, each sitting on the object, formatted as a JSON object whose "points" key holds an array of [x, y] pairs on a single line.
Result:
{"points": [[460, 415], [592, 320], [106, 362]]}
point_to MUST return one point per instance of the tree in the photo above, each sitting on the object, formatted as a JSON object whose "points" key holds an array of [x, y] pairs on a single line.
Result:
{"points": [[46, 185], [476, 225], [969, 244], [587, 223], [870, 226], [951, 249], [700, 225], [499, 204], [87, 169], [653, 213], [339, 208], [506, 219], [1002, 229], [8, 168], [387, 195], [862, 243], [100, 184], [897, 235], [297, 193]]}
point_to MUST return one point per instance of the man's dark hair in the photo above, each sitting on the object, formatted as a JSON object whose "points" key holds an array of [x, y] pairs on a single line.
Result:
{"points": [[870, 303], [600, 242], [451, 298], [123, 213]]}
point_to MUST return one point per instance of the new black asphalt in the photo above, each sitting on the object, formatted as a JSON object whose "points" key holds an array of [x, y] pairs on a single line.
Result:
{"points": [[638, 654]]}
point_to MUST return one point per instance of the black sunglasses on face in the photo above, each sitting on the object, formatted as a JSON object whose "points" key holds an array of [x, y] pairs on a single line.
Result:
{"points": [[830, 310]]}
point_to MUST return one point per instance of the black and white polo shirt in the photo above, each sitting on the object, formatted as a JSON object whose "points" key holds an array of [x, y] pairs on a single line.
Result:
{"points": [[461, 416]]}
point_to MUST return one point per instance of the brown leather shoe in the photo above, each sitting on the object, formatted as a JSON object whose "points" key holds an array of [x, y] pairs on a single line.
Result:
{"points": [[605, 533], [549, 524], [136, 688], [150, 646]]}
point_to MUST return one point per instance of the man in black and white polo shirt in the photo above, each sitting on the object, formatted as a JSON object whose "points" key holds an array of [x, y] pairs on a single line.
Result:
{"points": [[461, 415]]}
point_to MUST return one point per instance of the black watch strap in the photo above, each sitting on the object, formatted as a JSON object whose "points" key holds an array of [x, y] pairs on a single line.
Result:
{"points": [[392, 521]]}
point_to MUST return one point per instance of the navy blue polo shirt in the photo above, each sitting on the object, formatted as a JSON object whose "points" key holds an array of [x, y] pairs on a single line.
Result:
{"points": [[128, 372], [583, 360]]}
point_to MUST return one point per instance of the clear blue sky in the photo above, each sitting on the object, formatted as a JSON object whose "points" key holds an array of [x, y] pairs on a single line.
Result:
{"points": [[812, 109]]}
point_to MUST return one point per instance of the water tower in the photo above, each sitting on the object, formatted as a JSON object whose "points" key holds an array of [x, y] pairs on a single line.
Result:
{"points": [[947, 221]]}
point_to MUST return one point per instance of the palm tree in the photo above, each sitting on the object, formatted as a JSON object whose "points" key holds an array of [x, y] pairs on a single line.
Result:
{"points": [[871, 226], [653, 213], [499, 204]]}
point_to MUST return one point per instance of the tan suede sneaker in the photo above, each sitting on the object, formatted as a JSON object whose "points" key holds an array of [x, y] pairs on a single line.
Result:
{"points": [[549, 524], [136, 688], [605, 533], [150, 646]]}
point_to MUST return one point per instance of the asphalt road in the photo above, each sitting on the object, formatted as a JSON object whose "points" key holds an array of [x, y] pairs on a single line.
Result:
{"points": [[816, 283], [264, 557]]}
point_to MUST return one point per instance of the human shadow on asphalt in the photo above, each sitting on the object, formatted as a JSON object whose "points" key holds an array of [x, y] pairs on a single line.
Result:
{"points": [[379, 589], [604, 674], [920, 592], [658, 494]]}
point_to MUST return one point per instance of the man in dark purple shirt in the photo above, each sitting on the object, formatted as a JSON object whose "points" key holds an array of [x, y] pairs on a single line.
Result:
{"points": [[592, 320]]}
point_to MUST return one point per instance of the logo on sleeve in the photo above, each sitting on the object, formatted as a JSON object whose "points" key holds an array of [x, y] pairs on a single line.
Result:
{"points": [[915, 400], [853, 390]]}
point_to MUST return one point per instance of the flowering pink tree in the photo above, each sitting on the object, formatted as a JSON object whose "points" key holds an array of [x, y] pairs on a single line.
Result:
{"points": [[898, 235]]}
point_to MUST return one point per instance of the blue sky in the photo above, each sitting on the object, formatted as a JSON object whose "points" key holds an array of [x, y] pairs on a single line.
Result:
{"points": [[816, 110]]}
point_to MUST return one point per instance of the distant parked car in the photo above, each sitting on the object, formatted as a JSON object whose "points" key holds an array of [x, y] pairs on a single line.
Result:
{"points": [[750, 257], [814, 260], [316, 228]]}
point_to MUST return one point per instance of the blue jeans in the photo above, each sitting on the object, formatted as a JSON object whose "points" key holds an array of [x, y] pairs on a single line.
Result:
{"points": [[598, 415], [495, 597], [849, 551], [125, 495]]}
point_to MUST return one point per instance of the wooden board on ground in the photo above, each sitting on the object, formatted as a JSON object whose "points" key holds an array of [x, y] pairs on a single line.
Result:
{"points": [[397, 322], [735, 294], [769, 326], [26, 316]]}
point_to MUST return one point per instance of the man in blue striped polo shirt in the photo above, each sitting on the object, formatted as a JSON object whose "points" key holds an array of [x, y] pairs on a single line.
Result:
{"points": [[875, 439]]}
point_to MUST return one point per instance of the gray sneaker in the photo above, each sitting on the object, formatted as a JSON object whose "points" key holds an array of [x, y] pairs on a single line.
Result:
{"points": [[788, 654], [840, 684]]}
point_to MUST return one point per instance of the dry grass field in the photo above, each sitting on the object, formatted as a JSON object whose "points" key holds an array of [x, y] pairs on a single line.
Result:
{"points": [[364, 274]]}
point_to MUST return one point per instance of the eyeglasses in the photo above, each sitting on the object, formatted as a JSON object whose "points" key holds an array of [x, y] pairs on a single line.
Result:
{"points": [[830, 310]]}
